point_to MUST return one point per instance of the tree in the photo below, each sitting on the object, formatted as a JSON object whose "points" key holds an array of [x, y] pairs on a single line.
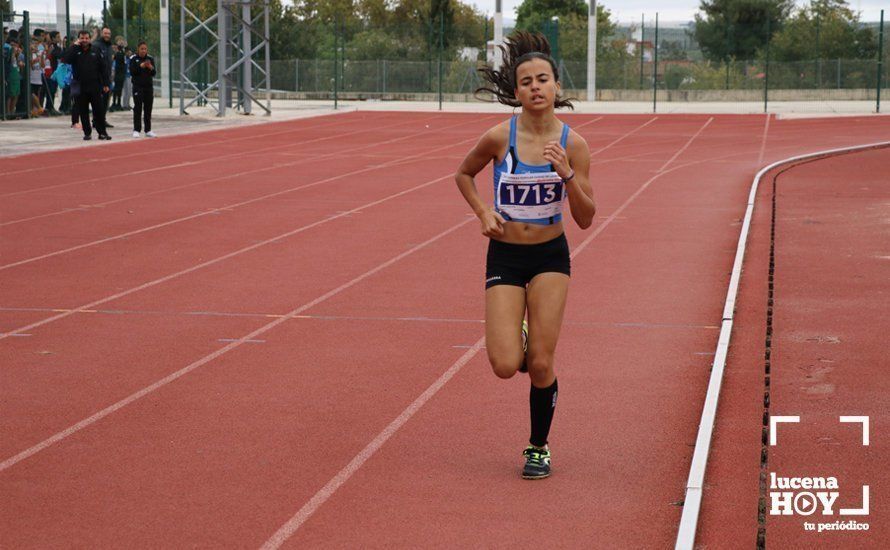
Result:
{"points": [[672, 50], [573, 35], [531, 14], [737, 29], [825, 29]]}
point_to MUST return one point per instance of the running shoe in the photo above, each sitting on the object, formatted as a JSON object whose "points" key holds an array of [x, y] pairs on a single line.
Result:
{"points": [[537, 463], [135, 134], [524, 366], [150, 134]]}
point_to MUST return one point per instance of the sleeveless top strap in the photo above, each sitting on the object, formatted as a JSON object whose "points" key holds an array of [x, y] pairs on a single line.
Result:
{"points": [[511, 150], [564, 139]]}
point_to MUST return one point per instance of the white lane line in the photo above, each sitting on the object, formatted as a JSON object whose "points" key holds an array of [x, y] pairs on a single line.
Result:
{"points": [[155, 152], [217, 259], [343, 475], [9, 462], [297, 520], [678, 153], [628, 134], [227, 157], [242, 203], [695, 482], [763, 141]]}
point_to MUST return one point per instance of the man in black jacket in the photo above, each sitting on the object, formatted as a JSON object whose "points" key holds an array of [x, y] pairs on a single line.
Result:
{"points": [[142, 69], [103, 44], [88, 67]]}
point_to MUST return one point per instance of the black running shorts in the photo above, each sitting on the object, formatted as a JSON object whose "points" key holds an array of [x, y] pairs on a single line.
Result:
{"points": [[517, 264]]}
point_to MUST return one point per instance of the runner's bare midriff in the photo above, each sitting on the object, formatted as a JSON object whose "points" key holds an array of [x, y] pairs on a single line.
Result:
{"points": [[530, 233]]}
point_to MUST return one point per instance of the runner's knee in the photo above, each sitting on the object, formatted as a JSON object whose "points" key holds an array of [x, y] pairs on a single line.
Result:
{"points": [[504, 368], [540, 364]]}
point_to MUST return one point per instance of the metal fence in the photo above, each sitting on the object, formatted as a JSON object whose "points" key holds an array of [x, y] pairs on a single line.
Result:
{"points": [[636, 61]]}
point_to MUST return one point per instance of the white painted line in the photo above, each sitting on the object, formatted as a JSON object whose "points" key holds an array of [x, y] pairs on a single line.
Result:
{"points": [[9, 462], [628, 134], [156, 152], [680, 152], [227, 157], [323, 494], [242, 203], [218, 259], [763, 141], [695, 483]]}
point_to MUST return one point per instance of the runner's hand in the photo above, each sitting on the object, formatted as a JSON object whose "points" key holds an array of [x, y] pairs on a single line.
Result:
{"points": [[492, 223], [556, 155]]}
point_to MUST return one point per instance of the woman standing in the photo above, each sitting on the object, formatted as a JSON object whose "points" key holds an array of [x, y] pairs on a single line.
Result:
{"points": [[538, 162]]}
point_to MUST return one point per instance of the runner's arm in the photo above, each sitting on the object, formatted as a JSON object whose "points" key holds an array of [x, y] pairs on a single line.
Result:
{"points": [[475, 161], [487, 148], [579, 189]]}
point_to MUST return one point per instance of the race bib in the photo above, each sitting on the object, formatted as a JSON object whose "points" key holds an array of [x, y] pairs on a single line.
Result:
{"points": [[530, 196]]}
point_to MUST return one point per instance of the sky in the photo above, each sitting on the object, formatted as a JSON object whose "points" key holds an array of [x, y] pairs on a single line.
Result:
{"points": [[622, 10]]}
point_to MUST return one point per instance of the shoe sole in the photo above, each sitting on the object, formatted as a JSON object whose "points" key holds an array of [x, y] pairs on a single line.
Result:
{"points": [[524, 476]]}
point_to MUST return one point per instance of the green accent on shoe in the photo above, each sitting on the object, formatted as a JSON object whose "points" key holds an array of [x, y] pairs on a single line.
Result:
{"points": [[537, 463]]}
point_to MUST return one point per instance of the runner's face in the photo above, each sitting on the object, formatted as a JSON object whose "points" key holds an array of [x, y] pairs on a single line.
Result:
{"points": [[536, 88]]}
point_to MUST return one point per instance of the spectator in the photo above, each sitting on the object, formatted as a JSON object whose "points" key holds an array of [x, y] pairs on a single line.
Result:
{"points": [[6, 53], [128, 84], [103, 44], [89, 83], [16, 64], [120, 71], [66, 104], [55, 53], [142, 70], [36, 80]]}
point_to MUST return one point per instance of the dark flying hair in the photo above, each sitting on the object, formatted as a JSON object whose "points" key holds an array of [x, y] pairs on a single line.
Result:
{"points": [[519, 47]]}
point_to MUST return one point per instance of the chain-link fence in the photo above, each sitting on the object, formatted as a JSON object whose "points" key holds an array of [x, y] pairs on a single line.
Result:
{"points": [[821, 59]]}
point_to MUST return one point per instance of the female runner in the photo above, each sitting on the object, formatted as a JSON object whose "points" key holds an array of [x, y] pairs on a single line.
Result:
{"points": [[538, 161]]}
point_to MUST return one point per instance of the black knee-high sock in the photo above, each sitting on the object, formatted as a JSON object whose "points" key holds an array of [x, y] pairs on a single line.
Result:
{"points": [[542, 403]]}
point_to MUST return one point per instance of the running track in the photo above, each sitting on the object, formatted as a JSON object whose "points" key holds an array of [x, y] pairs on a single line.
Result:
{"points": [[271, 335]]}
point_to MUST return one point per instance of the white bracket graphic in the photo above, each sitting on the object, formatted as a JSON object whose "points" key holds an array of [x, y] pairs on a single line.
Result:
{"points": [[864, 421], [858, 511], [773, 420]]}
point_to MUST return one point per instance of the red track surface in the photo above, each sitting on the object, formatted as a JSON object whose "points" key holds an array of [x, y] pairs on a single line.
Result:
{"points": [[341, 248], [828, 356]]}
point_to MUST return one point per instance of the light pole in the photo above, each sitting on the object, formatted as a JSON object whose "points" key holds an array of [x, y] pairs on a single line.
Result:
{"points": [[498, 33], [591, 52]]}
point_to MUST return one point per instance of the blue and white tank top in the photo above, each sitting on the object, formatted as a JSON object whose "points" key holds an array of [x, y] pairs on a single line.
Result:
{"points": [[528, 193]]}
